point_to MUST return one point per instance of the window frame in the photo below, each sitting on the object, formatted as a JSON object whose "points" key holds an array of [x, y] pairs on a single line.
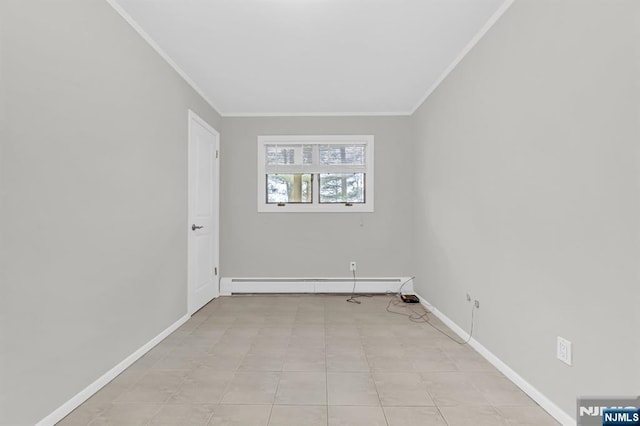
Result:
{"points": [[315, 206]]}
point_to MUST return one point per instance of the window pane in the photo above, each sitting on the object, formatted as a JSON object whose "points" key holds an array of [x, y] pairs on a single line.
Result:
{"points": [[342, 188], [289, 154], [281, 154], [342, 154], [289, 188], [307, 154]]}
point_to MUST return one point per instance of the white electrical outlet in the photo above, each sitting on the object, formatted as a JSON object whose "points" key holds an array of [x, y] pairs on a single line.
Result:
{"points": [[352, 266], [564, 351]]}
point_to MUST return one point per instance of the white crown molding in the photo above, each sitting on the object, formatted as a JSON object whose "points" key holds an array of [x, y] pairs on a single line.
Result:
{"points": [[318, 114], [486, 27], [146, 37]]}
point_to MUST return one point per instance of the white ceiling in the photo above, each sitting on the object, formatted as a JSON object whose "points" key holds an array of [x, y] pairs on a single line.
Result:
{"points": [[312, 57]]}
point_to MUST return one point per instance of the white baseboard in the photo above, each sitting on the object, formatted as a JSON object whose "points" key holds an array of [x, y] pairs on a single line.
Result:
{"points": [[549, 406], [94, 387], [229, 286]]}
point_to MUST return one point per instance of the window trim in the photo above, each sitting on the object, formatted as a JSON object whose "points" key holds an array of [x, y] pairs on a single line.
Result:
{"points": [[315, 206]]}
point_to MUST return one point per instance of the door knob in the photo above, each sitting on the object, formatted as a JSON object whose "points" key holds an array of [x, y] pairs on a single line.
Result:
{"points": [[194, 227]]}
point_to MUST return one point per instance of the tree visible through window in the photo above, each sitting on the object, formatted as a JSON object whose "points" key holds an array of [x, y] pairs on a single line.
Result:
{"points": [[342, 188], [289, 188]]}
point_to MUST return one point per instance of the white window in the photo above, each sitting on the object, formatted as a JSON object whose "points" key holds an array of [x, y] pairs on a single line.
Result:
{"points": [[315, 173]]}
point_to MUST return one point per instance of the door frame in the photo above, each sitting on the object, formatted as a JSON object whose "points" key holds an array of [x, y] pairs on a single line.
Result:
{"points": [[193, 117]]}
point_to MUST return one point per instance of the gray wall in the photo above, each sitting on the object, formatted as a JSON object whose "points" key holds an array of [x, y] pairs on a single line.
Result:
{"points": [[94, 189], [527, 161], [310, 244]]}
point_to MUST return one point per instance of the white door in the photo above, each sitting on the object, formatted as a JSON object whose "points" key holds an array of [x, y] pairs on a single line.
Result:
{"points": [[203, 227]]}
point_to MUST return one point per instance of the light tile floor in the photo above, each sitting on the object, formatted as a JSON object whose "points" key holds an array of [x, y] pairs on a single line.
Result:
{"points": [[305, 360]]}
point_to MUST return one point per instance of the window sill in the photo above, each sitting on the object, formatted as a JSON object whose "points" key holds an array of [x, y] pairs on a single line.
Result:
{"points": [[315, 208]]}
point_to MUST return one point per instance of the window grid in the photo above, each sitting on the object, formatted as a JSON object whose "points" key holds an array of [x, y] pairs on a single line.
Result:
{"points": [[315, 173]]}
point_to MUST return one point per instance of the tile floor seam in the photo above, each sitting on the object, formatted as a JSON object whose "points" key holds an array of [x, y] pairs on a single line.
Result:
{"points": [[444, 419], [270, 413], [435, 404], [326, 372], [446, 354], [224, 391], [275, 394], [386, 420], [210, 416], [235, 373]]}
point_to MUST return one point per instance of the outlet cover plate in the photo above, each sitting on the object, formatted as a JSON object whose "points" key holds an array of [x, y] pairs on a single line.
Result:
{"points": [[564, 352]]}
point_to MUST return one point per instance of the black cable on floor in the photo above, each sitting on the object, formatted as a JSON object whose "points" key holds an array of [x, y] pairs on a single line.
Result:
{"points": [[424, 318], [353, 297]]}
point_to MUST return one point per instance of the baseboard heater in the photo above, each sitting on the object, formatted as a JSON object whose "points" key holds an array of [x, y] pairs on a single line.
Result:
{"points": [[229, 286]]}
